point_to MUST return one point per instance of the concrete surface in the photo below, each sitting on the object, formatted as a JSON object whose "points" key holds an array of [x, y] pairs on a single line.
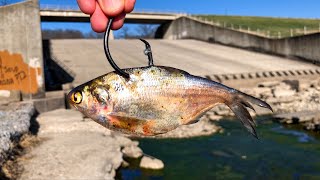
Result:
{"points": [[73, 148], [20, 33], [87, 59], [61, 15], [305, 47]]}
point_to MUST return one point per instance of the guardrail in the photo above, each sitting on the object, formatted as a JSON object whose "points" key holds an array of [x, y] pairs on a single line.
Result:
{"points": [[76, 8], [251, 79]]}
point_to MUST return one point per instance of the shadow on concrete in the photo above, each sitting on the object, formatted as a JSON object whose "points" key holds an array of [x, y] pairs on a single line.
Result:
{"points": [[56, 73], [34, 124]]}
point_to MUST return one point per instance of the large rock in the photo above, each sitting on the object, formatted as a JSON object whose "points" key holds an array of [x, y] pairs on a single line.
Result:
{"points": [[151, 163], [14, 122], [132, 151]]}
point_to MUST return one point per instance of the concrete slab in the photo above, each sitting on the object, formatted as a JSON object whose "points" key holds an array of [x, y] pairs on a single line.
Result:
{"points": [[87, 59]]}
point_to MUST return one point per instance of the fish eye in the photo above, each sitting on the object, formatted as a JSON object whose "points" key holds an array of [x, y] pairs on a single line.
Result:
{"points": [[77, 97]]}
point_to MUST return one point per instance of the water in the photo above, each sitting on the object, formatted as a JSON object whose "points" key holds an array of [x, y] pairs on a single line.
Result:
{"points": [[281, 153]]}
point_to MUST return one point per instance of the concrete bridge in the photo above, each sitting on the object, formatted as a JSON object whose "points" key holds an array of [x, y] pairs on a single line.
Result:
{"points": [[62, 14]]}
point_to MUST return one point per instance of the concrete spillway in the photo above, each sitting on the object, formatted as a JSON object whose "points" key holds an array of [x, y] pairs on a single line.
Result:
{"points": [[87, 60]]}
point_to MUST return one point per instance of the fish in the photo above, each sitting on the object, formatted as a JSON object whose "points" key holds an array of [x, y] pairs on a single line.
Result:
{"points": [[152, 100], [157, 99]]}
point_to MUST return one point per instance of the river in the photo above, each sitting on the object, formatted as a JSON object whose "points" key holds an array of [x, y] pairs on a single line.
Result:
{"points": [[280, 153]]}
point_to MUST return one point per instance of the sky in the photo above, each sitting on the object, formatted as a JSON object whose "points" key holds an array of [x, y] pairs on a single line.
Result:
{"points": [[273, 8]]}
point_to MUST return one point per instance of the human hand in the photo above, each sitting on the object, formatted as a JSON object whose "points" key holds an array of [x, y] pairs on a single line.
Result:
{"points": [[102, 10]]}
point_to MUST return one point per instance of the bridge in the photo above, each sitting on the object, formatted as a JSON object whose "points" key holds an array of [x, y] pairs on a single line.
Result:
{"points": [[73, 14]]}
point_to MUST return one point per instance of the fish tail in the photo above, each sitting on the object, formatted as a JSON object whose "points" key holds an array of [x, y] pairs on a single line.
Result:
{"points": [[239, 102]]}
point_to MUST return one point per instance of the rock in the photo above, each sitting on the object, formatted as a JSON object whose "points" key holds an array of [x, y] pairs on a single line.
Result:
{"points": [[125, 164], [297, 117], [132, 151], [215, 117], [202, 128], [283, 92], [294, 84], [263, 92], [14, 122], [151, 163], [269, 84]]}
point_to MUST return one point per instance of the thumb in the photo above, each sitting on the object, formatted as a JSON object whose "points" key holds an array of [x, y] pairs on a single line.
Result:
{"points": [[112, 7]]}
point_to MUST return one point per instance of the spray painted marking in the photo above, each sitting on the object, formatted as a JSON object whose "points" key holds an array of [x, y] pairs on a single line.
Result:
{"points": [[15, 74]]}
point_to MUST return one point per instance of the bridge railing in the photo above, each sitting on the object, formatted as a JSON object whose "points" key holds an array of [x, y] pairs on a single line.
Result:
{"points": [[76, 8], [290, 32]]}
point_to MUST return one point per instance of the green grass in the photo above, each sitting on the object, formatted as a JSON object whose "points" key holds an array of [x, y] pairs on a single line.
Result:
{"points": [[267, 24]]}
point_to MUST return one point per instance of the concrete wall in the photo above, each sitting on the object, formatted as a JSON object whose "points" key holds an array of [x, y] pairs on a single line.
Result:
{"points": [[306, 47], [21, 62]]}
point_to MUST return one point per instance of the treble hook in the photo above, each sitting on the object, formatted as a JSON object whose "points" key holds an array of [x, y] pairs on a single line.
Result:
{"points": [[107, 51], [148, 52]]}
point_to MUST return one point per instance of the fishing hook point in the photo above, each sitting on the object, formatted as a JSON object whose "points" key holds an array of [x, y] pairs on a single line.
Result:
{"points": [[148, 51]]}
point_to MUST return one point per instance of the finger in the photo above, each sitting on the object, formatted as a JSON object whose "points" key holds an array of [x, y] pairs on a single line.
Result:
{"points": [[98, 20], [87, 6], [118, 21], [112, 7], [129, 5]]}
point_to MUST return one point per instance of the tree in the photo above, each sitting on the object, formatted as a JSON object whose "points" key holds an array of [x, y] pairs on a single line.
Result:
{"points": [[146, 30], [93, 35]]}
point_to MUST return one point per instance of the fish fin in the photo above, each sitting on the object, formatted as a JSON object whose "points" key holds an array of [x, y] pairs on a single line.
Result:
{"points": [[238, 104], [243, 115]]}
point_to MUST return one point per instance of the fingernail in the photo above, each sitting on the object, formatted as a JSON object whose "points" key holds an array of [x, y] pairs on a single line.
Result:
{"points": [[113, 5]]}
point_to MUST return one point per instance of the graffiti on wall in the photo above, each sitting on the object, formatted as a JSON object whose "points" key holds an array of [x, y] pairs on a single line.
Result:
{"points": [[15, 74]]}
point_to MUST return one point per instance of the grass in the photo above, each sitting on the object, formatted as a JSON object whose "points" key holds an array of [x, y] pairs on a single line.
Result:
{"points": [[267, 25]]}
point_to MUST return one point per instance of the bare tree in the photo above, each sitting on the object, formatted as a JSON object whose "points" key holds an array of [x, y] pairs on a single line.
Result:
{"points": [[147, 30], [93, 35], [125, 32]]}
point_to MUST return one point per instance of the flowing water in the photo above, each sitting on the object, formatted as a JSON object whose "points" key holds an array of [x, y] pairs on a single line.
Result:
{"points": [[281, 153]]}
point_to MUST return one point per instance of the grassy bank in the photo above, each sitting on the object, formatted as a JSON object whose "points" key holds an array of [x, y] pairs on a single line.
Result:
{"points": [[264, 25]]}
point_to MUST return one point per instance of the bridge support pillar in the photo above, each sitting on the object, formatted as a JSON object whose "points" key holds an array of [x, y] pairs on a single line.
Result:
{"points": [[21, 61]]}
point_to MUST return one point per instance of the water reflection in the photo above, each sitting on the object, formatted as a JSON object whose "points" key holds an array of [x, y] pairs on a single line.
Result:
{"points": [[301, 136]]}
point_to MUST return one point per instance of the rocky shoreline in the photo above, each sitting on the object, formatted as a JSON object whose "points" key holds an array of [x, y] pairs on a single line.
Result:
{"points": [[70, 140]]}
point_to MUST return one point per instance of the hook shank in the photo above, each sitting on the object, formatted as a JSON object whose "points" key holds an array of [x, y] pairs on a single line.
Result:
{"points": [[107, 51]]}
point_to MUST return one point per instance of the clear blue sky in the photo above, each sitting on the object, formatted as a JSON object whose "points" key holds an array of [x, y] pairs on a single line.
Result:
{"points": [[274, 8], [277, 8]]}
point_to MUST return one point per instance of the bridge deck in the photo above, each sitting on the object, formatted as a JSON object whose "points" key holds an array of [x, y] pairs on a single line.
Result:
{"points": [[86, 57], [78, 16]]}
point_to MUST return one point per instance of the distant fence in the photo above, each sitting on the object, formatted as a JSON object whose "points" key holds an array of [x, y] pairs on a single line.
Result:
{"points": [[291, 32]]}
